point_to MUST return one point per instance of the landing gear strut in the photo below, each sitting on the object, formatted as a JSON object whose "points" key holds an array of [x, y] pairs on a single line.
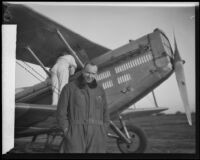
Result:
{"points": [[130, 138]]}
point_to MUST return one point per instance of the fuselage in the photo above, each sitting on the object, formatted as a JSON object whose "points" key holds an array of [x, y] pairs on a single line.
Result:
{"points": [[130, 72]]}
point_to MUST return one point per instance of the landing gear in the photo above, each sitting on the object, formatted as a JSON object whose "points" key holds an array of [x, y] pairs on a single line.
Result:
{"points": [[130, 138], [138, 141]]}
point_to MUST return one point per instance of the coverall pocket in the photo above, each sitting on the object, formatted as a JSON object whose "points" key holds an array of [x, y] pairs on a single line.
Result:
{"points": [[66, 132], [80, 100], [104, 132]]}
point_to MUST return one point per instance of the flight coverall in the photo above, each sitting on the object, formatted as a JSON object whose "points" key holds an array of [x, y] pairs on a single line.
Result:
{"points": [[82, 109], [60, 75]]}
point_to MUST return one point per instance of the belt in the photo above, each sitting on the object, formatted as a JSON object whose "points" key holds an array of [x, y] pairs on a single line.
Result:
{"points": [[86, 121]]}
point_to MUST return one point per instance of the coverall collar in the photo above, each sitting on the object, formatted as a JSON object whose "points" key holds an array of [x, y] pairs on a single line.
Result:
{"points": [[81, 82]]}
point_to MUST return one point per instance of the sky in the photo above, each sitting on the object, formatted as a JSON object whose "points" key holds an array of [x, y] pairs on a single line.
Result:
{"points": [[113, 25]]}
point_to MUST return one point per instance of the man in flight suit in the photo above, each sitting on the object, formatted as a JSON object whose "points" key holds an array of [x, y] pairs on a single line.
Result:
{"points": [[82, 114], [64, 66]]}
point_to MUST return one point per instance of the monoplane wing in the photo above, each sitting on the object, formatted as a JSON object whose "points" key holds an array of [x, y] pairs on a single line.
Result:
{"points": [[34, 93], [40, 34]]}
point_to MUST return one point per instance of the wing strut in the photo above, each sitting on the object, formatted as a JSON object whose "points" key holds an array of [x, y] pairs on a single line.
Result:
{"points": [[68, 46], [156, 104], [38, 60]]}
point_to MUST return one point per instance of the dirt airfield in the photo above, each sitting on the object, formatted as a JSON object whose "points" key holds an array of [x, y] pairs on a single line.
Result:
{"points": [[165, 133]]}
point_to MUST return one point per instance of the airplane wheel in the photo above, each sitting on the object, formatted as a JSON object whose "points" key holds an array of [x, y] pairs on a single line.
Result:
{"points": [[138, 138]]}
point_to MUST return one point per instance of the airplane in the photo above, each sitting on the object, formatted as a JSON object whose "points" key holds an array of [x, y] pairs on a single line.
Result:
{"points": [[127, 74]]}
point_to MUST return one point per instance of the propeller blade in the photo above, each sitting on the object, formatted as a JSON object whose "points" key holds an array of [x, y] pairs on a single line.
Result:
{"points": [[180, 77]]}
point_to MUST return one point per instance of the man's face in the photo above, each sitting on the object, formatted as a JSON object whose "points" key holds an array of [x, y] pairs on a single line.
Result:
{"points": [[89, 73]]}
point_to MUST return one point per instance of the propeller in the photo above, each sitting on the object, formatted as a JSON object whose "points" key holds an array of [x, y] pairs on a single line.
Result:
{"points": [[180, 77]]}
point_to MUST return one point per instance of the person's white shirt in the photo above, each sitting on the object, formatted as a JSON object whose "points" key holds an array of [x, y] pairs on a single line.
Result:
{"points": [[64, 66]]}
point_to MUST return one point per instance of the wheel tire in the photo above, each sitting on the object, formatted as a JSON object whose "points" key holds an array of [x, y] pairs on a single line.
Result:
{"points": [[130, 148]]}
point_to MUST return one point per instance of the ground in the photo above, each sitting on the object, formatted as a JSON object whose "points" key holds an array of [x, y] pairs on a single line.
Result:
{"points": [[165, 134]]}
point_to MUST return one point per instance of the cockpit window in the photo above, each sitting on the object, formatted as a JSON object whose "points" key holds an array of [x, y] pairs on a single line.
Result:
{"points": [[166, 45]]}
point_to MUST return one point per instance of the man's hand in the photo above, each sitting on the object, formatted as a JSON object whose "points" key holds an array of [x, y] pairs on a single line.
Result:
{"points": [[106, 127], [48, 80], [65, 131]]}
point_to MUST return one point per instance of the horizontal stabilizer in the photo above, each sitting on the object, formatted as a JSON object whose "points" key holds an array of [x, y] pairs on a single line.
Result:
{"points": [[35, 131], [140, 112], [29, 114]]}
